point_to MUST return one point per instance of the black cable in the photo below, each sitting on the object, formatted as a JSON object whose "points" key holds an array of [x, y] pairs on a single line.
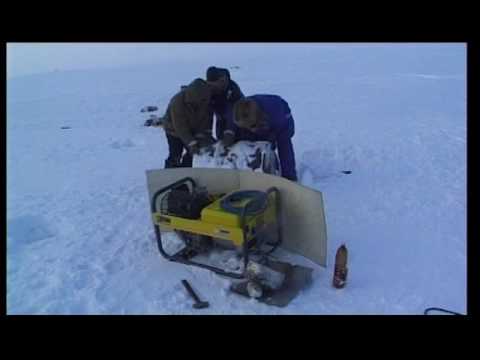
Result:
{"points": [[257, 204], [440, 310]]}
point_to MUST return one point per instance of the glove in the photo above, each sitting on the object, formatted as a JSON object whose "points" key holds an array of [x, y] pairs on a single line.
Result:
{"points": [[208, 149], [205, 139], [228, 139], [193, 147], [210, 140]]}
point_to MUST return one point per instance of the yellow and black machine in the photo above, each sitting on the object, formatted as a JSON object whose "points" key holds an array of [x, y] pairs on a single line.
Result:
{"points": [[246, 220], [219, 215]]}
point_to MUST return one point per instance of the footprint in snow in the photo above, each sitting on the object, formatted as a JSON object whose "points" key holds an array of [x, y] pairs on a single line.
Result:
{"points": [[122, 144], [114, 266], [28, 229]]}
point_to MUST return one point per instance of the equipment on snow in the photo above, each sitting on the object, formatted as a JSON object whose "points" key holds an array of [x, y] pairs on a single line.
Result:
{"points": [[198, 304], [149, 109], [340, 270], [248, 215], [154, 120]]}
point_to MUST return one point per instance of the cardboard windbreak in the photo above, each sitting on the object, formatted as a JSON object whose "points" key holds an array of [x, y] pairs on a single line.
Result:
{"points": [[303, 215]]}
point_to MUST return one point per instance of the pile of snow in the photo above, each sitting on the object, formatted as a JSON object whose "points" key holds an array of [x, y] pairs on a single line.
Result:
{"points": [[243, 155]]}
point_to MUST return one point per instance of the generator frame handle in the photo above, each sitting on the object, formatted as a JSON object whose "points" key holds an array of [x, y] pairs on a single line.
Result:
{"points": [[154, 210], [278, 222]]}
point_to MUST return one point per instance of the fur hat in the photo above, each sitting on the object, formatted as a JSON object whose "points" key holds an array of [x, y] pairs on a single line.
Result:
{"points": [[197, 92], [214, 73]]}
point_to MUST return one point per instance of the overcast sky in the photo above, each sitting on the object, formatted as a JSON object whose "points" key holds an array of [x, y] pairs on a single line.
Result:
{"points": [[32, 58]]}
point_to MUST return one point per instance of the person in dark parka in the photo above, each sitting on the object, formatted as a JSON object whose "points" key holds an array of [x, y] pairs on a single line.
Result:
{"points": [[225, 93]]}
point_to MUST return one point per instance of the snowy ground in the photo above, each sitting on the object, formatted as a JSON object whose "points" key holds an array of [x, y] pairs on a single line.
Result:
{"points": [[80, 238]]}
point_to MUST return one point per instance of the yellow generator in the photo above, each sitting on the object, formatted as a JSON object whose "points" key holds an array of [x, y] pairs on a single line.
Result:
{"points": [[247, 220], [231, 222]]}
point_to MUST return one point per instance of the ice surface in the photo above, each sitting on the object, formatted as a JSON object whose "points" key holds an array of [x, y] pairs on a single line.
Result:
{"points": [[79, 233]]}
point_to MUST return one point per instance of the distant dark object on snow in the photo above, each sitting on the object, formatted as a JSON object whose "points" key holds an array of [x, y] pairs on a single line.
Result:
{"points": [[346, 172], [154, 121], [65, 127], [149, 109]]}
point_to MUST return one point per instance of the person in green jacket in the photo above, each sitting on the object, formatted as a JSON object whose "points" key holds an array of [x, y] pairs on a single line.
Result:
{"points": [[188, 123]]}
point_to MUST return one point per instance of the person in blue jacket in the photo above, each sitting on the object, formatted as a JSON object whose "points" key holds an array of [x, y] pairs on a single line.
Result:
{"points": [[265, 118]]}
